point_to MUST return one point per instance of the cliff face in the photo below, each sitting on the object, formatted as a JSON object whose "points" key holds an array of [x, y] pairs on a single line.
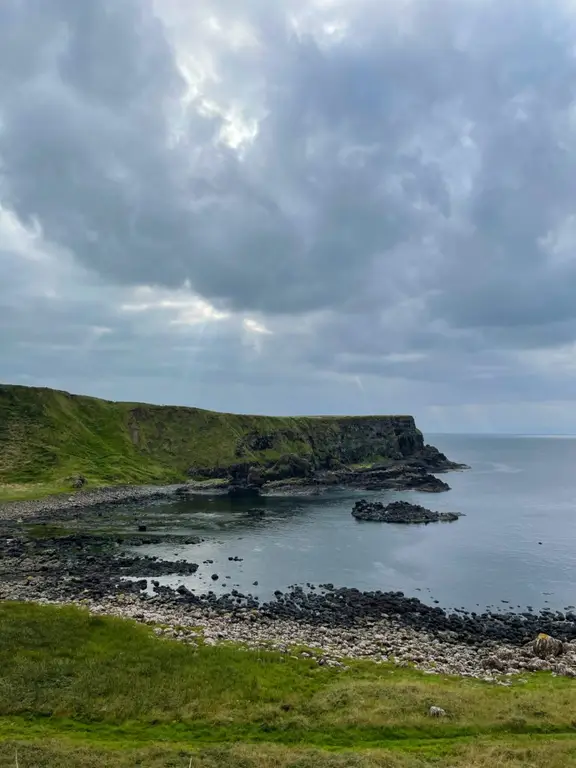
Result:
{"points": [[47, 436], [293, 447], [354, 440]]}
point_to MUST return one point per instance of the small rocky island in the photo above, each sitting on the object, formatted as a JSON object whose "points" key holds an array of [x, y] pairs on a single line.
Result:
{"points": [[399, 512]]}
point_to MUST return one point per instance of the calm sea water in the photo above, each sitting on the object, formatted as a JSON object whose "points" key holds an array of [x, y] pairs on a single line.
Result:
{"points": [[517, 542]]}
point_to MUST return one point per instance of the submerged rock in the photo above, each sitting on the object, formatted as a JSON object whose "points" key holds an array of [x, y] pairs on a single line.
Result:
{"points": [[399, 512]]}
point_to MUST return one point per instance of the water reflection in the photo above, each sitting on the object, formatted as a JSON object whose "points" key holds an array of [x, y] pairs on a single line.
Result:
{"points": [[519, 493]]}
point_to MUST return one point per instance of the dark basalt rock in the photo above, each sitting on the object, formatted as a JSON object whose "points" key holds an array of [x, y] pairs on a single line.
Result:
{"points": [[79, 566], [397, 477], [399, 512], [246, 481], [436, 461], [289, 466], [408, 465], [241, 491]]}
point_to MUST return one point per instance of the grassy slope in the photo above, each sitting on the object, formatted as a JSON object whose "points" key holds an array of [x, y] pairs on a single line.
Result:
{"points": [[77, 690], [47, 436]]}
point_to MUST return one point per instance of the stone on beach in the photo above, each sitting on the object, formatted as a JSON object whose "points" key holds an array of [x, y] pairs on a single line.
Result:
{"points": [[546, 646]]}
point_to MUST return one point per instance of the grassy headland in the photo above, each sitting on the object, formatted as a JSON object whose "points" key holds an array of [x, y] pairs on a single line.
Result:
{"points": [[79, 690], [47, 436]]}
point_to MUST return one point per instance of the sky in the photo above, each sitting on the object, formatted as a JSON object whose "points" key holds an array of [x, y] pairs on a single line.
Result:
{"points": [[293, 207]]}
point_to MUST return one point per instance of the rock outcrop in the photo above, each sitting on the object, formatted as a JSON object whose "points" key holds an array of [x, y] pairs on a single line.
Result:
{"points": [[394, 477], [311, 445], [292, 472], [399, 512], [369, 453]]}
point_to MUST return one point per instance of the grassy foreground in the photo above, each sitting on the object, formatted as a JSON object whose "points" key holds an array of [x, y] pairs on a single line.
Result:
{"points": [[77, 690], [46, 436]]}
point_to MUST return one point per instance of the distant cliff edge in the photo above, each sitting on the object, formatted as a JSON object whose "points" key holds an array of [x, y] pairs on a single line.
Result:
{"points": [[49, 437]]}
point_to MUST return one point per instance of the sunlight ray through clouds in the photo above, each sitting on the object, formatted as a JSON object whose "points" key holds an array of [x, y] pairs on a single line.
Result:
{"points": [[290, 193]]}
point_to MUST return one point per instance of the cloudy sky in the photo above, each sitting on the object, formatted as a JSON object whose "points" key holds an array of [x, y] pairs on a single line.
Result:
{"points": [[299, 206]]}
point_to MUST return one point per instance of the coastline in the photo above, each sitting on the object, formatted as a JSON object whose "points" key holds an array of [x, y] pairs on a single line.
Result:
{"points": [[326, 623], [384, 641], [404, 475], [95, 571], [81, 499]]}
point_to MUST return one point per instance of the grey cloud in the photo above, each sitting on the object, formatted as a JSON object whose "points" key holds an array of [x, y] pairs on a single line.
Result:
{"points": [[399, 195], [87, 152]]}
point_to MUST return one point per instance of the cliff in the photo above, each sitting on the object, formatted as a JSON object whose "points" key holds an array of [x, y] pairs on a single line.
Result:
{"points": [[47, 436]]}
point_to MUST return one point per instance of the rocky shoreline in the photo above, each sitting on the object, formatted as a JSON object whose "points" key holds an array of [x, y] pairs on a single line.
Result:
{"points": [[63, 503], [383, 640], [397, 475], [103, 573], [339, 623]]}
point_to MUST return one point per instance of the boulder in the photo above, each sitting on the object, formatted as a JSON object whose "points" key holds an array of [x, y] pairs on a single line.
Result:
{"points": [[545, 646], [494, 662]]}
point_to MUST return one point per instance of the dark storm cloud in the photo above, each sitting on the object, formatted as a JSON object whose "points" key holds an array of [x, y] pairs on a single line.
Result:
{"points": [[87, 150], [388, 187]]}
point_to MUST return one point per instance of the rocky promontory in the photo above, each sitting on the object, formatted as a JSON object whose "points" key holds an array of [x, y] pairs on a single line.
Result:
{"points": [[394, 476], [293, 473], [54, 440], [399, 512]]}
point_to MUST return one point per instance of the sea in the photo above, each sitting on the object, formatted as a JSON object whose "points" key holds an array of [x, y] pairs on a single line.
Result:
{"points": [[514, 547]]}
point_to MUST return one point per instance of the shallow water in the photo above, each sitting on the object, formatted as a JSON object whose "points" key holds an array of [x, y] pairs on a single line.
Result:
{"points": [[517, 542]]}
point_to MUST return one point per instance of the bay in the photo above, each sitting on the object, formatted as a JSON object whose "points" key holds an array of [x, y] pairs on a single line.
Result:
{"points": [[515, 547]]}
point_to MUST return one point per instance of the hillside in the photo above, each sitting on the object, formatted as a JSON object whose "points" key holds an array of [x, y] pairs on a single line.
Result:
{"points": [[47, 436]]}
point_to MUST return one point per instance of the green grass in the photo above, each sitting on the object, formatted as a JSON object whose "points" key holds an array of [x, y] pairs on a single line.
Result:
{"points": [[60, 754], [47, 436], [82, 690]]}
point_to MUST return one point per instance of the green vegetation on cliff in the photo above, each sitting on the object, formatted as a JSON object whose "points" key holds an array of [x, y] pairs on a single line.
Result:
{"points": [[46, 436], [80, 690]]}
